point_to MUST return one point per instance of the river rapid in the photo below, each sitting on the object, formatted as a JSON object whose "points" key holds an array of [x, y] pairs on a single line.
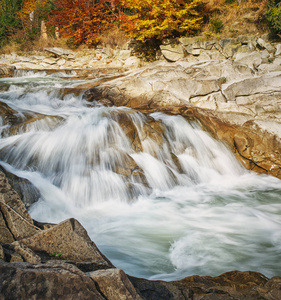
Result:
{"points": [[201, 213]]}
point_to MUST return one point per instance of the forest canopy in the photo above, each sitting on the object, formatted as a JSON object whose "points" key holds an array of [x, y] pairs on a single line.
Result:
{"points": [[87, 21]]}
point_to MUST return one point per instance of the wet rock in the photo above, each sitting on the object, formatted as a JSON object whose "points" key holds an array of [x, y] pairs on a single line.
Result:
{"points": [[27, 192], [7, 71], [115, 285], [26, 281], [6, 234], [14, 213], [153, 290], [68, 238]]}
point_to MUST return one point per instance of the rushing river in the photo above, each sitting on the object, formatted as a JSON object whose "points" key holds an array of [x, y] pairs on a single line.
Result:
{"points": [[195, 210]]}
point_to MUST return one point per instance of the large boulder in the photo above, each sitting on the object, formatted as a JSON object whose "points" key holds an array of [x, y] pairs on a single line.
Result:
{"points": [[115, 285], [45, 281], [15, 221], [7, 71]]}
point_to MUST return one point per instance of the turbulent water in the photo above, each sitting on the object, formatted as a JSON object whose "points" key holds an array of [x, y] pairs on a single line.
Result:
{"points": [[190, 209]]}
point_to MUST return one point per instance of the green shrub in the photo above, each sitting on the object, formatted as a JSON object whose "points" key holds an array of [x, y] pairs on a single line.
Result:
{"points": [[273, 16], [216, 25]]}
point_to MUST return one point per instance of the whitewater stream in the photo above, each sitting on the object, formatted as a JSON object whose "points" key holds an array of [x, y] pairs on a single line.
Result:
{"points": [[183, 205]]}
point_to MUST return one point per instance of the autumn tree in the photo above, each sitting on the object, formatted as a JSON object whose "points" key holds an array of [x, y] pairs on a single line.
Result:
{"points": [[33, 12], [84, 20], [148, 19]]}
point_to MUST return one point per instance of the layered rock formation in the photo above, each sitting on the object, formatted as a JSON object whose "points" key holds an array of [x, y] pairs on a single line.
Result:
{"points": [[236, 98]]}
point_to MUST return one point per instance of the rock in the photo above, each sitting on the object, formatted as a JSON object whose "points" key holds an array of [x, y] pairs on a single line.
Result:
{"points": [[6, 235], [68, 238], [132, 62], [45, 281], [28, 66], [1, 252], [172, 52], [61, 62], [115, 285], [260, 85], [124, 54], [270, 48], [14, 213], [27, 254], [59, 51], [278, 50], [255, 142], [252, 60], [28, 193], [153, 290], [261, 43], [277, 61], [7, 71]]}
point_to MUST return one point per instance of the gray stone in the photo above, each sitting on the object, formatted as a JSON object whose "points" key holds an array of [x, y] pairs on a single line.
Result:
{"points": [[59, 51], [270, 48], [18, 220], [252, 60], [261, 43], [262, 85], [45, 281], [278, 50], [68, 238], [115, 285], [172, 52]]}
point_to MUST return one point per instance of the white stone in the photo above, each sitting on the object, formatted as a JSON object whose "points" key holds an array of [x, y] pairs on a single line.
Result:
{"points": [[132, 62], [278, 50], [61, 62]]}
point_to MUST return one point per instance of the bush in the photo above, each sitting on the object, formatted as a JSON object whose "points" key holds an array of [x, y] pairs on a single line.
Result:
{"points": [[160, 19], [216, 25], [273, 16]]}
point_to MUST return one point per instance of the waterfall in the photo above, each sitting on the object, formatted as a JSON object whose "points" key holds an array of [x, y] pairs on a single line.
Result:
{"points": [[160, 197]]}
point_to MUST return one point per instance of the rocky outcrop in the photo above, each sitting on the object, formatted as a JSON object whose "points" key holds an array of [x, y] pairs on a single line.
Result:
{"points": [[7, 71], [237, 99]]}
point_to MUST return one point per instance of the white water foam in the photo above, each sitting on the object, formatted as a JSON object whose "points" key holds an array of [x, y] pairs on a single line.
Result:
{"points": [[202, 213]]}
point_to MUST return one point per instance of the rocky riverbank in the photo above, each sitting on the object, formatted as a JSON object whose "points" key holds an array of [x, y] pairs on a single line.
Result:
{"points": [[233, 87], [48, 261]]}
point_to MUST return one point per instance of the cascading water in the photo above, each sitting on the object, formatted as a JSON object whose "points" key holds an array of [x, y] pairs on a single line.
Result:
{"points": [[158, 195]]}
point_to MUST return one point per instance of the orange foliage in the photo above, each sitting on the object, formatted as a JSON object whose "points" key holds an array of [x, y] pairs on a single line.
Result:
{"points": [[30, 6], [149, 19], [84, 20]]}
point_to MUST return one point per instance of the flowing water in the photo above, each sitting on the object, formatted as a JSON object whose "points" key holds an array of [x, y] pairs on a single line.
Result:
{"points": [[187, 207]]}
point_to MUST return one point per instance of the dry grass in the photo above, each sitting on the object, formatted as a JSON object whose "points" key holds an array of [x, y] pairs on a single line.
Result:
{"points": [[241, 18], [23, 45], [114, 38]]}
